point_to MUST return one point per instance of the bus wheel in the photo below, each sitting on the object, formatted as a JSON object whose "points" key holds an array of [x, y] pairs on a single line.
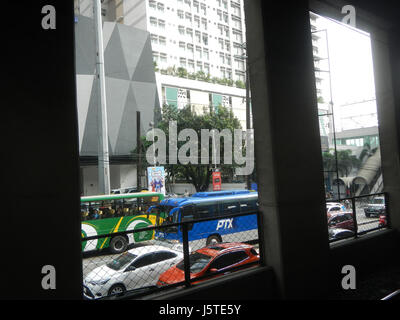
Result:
{"points": [[116, 289], [118, 244], [213, 240]]}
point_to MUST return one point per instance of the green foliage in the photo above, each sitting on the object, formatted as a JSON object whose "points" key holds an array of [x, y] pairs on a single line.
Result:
{"points": [[197, 174], [199, 75], [182, 72], [346, 162], [240, 84]]}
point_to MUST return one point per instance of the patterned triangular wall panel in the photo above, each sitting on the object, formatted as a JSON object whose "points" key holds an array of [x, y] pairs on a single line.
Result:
{"points": [[89, 145], [128, 55], [114, 60], [126, 141], [116, 91], [131, 40], [145, 94], [84, 85], [144, 71]]}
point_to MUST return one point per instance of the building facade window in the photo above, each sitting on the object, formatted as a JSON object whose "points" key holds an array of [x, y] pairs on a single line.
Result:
{"points": [[154, 39], [206, 54], [152, 4], [196, 7], [240, 76], [237, 36], [198, 36], [221, 43], [204, 23], [206, 68], [163, 57], [160, 7], [203, 9], [205, 38], [189, 33], [198, 53], [196, 20], [153, 22], [191, 65], [162, 40], [161, 24], [182, 62], [239, 64], [237, 22]]}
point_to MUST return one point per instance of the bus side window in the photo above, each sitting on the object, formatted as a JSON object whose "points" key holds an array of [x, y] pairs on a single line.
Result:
{"points": [[248, 206], [188, 214], [229, 207], [206, 210]]}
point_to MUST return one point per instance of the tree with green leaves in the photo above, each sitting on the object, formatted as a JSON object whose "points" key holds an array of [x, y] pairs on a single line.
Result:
{"points": [[197, 174], [346, 162]]}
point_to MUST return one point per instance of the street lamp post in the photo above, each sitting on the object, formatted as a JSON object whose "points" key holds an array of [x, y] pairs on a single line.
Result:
{"points": [[151, 125]]}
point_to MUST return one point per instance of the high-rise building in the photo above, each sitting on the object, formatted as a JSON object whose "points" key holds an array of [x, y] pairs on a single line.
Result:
{"points": [[198, 48]]}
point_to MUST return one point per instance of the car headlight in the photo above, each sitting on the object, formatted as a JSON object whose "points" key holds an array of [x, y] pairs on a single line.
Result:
{"points": [[98, 282]]}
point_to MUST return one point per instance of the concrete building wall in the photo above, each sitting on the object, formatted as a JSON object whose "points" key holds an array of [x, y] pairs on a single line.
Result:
{"points": [[200, 91], [130, 85], [134, 13], [121, 176]]}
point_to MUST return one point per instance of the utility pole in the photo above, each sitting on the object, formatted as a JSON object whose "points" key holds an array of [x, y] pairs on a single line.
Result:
{"points": [[248, 125], [248, 119], [103, 155], [139, 152]]}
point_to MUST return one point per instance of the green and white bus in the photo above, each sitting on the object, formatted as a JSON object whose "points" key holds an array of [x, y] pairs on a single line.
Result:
{"points": [[107, 214]]}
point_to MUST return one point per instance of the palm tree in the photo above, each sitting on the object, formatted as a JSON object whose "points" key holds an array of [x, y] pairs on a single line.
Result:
{"points": [[347, 162]]}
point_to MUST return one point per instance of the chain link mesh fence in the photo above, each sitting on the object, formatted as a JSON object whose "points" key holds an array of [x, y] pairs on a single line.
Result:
{"points": [[352, 217], [177, 254]]}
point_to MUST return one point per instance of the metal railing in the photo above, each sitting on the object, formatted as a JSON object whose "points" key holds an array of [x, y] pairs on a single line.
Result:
{"points": [[179, 255], [356, 216]]}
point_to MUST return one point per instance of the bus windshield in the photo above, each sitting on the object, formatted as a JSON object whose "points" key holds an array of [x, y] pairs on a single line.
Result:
{"points": [[378, 201], [172, 216]]}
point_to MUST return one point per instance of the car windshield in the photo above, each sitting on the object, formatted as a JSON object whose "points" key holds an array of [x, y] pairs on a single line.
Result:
{"points": [[197, 262], [378, 201], [121, 261]]}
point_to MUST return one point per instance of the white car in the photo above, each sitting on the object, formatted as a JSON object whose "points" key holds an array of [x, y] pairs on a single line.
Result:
{"points": [[137, 268], [334, 207]]}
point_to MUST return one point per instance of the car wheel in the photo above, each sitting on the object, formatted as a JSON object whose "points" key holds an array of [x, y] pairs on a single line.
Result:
{"points": [[116, 289], [214, 239], [118, 244]]}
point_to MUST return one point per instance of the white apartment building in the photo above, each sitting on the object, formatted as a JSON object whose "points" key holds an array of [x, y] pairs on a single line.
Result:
{"points": [[204, 36]]}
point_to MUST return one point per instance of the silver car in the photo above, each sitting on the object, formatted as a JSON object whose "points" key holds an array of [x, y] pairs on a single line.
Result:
{"points": [[137, 268]]}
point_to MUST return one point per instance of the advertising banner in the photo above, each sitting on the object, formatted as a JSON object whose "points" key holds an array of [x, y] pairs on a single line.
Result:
{"points": [[216, 180], [156, 179]]}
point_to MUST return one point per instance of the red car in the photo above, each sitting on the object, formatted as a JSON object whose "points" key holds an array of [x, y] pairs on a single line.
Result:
{"points": [[342, 220], [210, 259], [382, 221]]}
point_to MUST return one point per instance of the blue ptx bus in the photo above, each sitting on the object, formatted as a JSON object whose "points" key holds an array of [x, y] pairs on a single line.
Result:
{"points": [[219, 206]]}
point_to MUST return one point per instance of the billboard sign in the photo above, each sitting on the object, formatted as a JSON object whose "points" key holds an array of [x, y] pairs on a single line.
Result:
{"points": [[156, 179], [216, 181]]}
